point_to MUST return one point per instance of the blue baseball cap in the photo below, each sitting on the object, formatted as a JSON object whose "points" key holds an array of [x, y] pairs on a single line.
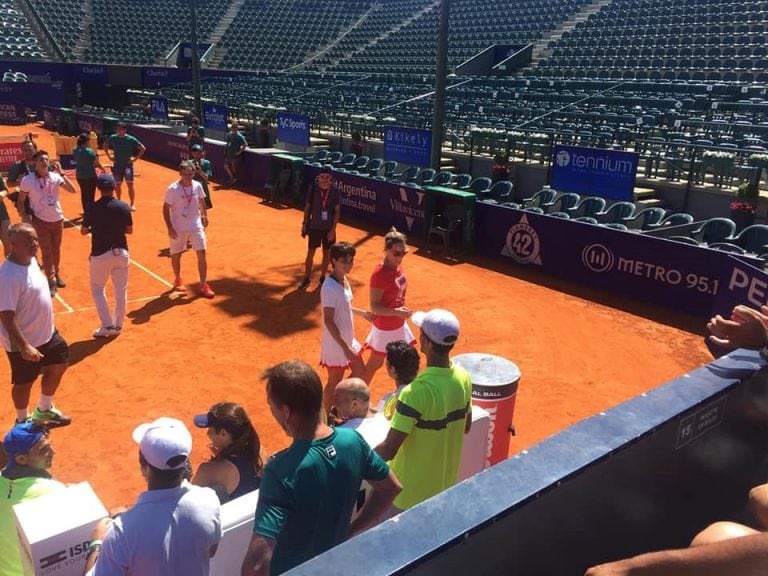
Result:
{"points": [[22, 438], [105, 182]]}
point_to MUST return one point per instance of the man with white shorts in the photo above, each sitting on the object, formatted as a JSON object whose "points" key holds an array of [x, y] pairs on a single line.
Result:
{"points": [[108, 220], [186, 218]]}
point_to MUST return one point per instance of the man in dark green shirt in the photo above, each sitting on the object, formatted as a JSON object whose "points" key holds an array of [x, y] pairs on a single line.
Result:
{"points": [[195, 133], [233, 153], [125, 150], [203, 171], [309, 490]]}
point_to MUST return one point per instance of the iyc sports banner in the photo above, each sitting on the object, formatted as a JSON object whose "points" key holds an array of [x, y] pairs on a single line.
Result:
{"points": [[293, 128], [594, 171]]}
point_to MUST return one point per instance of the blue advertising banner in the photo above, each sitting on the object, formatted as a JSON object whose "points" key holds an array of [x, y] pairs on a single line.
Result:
{"points": [[90, 73], [670, 274], [154, 77], [594, 171], [215, 116], [407, 145], [293, 128], [12, 113], [32, 95], [159, 108], [381, 203], [87, 123]]}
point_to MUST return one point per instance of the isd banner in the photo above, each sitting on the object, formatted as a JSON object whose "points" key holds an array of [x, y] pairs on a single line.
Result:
{"points": [[215, 116], [293, 128], [407, 145], [159, 108], [594, 171]]}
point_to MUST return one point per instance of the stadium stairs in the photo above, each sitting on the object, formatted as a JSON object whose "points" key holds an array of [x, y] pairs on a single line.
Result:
{"points": [[542, 50], [85, 35], [49, 48], [218, 33]]}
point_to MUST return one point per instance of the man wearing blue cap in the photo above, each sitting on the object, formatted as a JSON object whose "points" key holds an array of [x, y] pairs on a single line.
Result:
{"points": [[108, 220], [26, 477]]}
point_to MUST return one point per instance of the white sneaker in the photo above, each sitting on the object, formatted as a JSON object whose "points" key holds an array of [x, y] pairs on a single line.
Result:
{"points": [[108, 332]]}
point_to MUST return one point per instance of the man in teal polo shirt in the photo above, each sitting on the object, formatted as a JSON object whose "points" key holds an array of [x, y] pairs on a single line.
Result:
{"points": [[24, 478], [233, 153], [432, 415], [123, 150], [308, 491]]}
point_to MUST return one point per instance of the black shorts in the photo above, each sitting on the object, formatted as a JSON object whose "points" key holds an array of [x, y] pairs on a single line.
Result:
{"points": [[318, 237], [55, 351]]}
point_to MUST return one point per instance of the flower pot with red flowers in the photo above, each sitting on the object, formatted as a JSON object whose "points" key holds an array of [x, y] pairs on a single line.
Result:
{"points": [[500, 170], [744, 207]]}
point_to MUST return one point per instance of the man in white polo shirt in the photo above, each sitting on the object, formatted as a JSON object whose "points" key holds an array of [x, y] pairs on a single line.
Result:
{"points": [[174, 528], [43, 189], [186, 219]]}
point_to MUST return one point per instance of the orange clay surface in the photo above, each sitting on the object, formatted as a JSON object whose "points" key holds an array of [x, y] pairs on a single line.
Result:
{"points": [[580, 351]]}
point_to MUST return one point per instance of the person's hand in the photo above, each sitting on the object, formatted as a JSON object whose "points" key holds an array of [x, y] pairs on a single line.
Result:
{"points": [[403, 312], [356, 364], [205, 221], [611, 569], [56, 166], [31, 354], [332, 236], [370, 316], [745, 329], [172, 232]]}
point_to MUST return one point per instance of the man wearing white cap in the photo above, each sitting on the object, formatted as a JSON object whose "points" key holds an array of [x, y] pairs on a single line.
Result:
{"points": [[174, 528], [432, 415]]}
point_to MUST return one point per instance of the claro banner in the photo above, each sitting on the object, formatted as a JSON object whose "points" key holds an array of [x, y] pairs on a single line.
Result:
{"points": [[689, 279], [594, 172]]}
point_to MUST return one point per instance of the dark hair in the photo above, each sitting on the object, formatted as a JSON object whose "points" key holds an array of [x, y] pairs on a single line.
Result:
{"points": [[404, 359], [82, 140], [393, 237], [245, 441], [195, 120], [163, 478], [121, 125], [295, 384], [40, 154], [439, 349], [342, 250], [28, 141]]}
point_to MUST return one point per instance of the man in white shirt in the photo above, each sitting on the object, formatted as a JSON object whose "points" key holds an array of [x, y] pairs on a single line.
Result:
{"points": [[186, 219], [43, 190], [174, 528], [27, 333]]}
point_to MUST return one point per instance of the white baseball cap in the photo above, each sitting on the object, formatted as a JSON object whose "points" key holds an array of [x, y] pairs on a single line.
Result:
{"points": [[440, 326], [165, 443]]}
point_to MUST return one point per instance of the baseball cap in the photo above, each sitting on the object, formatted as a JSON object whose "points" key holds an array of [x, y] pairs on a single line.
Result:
{"points": [[22, 438], [164, 443], [196, 147], [440, 326], [105, 181]]}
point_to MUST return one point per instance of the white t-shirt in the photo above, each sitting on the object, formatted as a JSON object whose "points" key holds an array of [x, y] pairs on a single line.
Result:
{"points": [[373, 429], [24, 289], [185, 205], [334, 295], [44, 194], [167, 532]]}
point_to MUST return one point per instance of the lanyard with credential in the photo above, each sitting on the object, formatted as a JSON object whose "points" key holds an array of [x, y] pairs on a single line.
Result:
{"points": [[324, 198]]}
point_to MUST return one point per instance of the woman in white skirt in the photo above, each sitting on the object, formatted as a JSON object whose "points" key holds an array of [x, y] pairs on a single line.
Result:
{"points": [[388, 287], [338, 348]]}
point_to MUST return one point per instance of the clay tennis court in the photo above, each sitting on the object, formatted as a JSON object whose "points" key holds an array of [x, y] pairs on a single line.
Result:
{"points": [[580, 351]]}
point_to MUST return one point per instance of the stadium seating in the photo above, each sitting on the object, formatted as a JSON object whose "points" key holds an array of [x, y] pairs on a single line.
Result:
{"points": [[715, 230], [18, 42]]}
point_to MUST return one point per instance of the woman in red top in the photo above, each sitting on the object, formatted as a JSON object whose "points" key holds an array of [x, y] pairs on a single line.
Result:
{"points": [[388, 287]]}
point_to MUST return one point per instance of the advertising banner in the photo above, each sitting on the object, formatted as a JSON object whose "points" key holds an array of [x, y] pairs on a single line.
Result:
{"points": [[52, 118], [407, 145], [13, 113], [215, 116], [293, 128], [87, 124], [10, 153], [92, 73], [594, 172], [159, 105], [686, 278], [35, 96], [382, 203]]}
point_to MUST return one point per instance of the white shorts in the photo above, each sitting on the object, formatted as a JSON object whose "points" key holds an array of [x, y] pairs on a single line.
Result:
{"points": [[195, 237], [378, 339], [332, 356]]}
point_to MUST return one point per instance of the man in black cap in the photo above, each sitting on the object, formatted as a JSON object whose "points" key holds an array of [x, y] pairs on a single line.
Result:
{"points": [[203, 171], [25, 477], [108, 220]]}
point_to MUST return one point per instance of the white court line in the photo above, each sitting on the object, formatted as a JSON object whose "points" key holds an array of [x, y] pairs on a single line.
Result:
{"points": [[71, 310], [132, 261], [67, 306]]}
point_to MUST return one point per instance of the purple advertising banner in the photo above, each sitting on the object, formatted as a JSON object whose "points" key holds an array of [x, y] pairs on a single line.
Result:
{"points": [[51, 118], [35, 96], [12, 113], [690, 279], [86, 123], [375, 201]]}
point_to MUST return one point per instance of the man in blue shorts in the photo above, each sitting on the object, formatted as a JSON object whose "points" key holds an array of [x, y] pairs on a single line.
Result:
{"points": [[123, 150], [321, 215], [233, 152], [308, 491], [27, 333]]}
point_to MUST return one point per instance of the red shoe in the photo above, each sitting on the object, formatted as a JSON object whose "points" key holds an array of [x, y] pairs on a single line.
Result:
{"points": [[178, 285], [206, 291]]}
